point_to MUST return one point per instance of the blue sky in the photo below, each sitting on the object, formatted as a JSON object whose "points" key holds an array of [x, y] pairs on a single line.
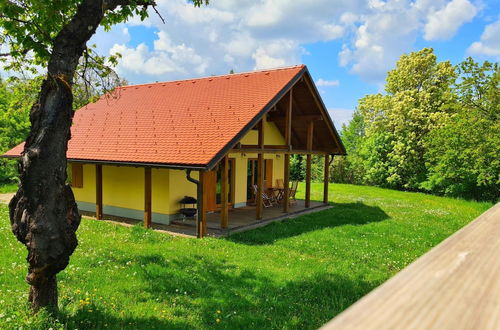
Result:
{"points": [[348, 45]]}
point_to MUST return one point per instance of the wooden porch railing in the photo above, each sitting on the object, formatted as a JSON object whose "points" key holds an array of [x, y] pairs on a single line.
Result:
{"points": [[454, 286]]}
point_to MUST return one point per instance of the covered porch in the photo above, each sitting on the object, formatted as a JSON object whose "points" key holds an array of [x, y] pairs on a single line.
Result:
{"points": [[243, 219]]}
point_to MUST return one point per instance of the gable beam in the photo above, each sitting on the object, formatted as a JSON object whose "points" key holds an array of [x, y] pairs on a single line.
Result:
{"points": [[281, 119], [288, 121], [321, 107]]}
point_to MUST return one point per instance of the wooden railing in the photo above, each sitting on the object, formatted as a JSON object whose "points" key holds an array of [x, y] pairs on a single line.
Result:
{"points": [[456, 285]]}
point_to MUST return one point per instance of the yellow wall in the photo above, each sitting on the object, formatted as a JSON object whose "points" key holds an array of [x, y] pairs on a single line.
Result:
{"points": [[160, 191], [179, 187], [272, 135], [123, 186], [87, 192]]}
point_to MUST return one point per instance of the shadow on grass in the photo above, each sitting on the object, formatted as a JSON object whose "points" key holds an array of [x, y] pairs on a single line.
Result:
{"points": [[247, 299], [340, 214], [95, 318]]}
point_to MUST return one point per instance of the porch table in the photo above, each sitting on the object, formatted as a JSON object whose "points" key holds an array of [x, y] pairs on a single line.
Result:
{"points": [[277, 192]]}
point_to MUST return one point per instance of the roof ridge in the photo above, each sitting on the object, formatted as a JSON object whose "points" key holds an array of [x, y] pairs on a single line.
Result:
{"points": [[217, 76]]}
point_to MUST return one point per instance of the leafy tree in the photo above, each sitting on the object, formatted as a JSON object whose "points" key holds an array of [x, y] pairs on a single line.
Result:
{"points": [[435, 129], [297, 168], [349, 169], [464, 153], [418, 99], [16, 97], [54, 35]]}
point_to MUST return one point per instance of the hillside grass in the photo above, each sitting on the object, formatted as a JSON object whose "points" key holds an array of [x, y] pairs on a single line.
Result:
{"points": [[295, 274], [8, 188]]}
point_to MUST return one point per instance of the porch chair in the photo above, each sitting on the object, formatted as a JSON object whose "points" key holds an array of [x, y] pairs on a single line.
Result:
{"points": [[281, 188], [267, 201]]}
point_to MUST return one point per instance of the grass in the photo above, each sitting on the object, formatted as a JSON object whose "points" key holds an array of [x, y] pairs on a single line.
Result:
{"points": [[295, 274], [8, 188]]}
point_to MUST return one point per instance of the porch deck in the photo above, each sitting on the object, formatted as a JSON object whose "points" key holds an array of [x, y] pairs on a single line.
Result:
{"points": [[240, 219], [243, 218]]}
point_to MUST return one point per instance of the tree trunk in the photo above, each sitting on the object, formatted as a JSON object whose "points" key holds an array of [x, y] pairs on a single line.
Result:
{"points": [[43, 213]]}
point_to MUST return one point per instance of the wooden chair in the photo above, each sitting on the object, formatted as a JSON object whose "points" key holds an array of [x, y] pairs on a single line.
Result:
{"points": [[267, 201], [280, 184]]}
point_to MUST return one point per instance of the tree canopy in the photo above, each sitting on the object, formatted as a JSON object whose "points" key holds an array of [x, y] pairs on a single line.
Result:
{"points": [[435, 129], [53, 35]]}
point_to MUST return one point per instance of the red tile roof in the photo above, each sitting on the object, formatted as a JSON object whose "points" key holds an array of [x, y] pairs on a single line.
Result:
{"points": [[179, 122]]}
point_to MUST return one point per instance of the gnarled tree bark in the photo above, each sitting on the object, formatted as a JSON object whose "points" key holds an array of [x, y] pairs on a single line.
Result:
{"points": [[43, 212]]}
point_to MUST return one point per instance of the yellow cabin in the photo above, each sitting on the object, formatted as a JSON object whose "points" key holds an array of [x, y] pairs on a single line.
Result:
{"points": [[225, 141]]}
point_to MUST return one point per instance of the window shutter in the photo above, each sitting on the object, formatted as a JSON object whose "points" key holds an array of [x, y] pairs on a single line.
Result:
{"points": [[77, 175]]}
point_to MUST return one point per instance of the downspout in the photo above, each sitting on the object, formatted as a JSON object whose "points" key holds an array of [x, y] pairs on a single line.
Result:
{"points": [[199, 200]]}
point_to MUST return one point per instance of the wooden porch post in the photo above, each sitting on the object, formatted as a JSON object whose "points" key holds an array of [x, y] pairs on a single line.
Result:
{"points": [[260, 173], [98, 191], [147, 197], [288, 141], [286, 183], [326, 179], [202, 214], [288, 122], [310, 130], [224, 214]]}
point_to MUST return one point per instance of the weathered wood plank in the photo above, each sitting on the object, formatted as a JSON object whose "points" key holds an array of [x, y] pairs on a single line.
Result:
{"points": [[454, 286]]}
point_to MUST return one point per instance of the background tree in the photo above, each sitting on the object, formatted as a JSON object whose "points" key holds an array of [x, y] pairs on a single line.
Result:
{"points": [[435, 129], [17, 95], [53, 35], [418, 98], [464, 152]]}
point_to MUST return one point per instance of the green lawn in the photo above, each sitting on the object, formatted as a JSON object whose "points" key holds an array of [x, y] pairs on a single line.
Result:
{"points": [[8, 188], [295, 274]]}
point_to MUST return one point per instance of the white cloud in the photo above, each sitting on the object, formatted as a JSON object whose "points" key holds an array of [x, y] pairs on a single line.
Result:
{"points": [[326, 83], [383, 33], [340, 116], [275, 54], [247, 34], [444, 23], [489, 43]]}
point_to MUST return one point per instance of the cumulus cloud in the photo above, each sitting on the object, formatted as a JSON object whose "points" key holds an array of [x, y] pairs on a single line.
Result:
{"points": [[489, 43], [340, 116], [326, 83], [444, 23], [246, 34], [385, 31], [225, 35]]}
